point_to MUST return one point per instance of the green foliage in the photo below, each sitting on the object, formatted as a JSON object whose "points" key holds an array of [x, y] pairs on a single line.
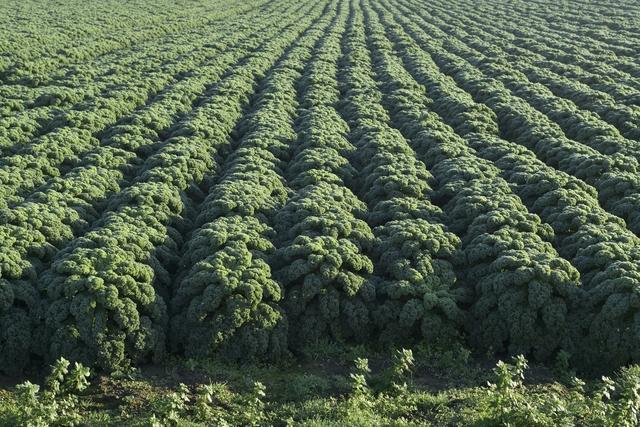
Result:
{"points": [[324, 268], [169, 409], [562, 368], [402, 365], [388, 396], [359, 378], [174, 180], [211, 403], [627, 410], [510, 402], [227, 302], [506, 399], [58, 404]]}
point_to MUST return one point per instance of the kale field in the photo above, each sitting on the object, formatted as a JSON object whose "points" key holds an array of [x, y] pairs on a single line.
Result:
{"points": [[238, 181]]}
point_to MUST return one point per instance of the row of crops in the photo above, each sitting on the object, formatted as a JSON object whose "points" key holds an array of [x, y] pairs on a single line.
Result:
{"points": [[241, 180]]}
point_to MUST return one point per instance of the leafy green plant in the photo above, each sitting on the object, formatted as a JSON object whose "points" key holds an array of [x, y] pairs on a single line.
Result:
{"points": [[249, 408], [307, 385], [442, 359], [627, 409], [359, 378], [214, 403], [562, 367], [171, 408], [507, 401], [398, 376], [58, 404]]}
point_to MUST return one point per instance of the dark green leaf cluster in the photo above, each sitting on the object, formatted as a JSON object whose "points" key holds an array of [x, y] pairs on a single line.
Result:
{"points": [[227, 301], [324, 269]]}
